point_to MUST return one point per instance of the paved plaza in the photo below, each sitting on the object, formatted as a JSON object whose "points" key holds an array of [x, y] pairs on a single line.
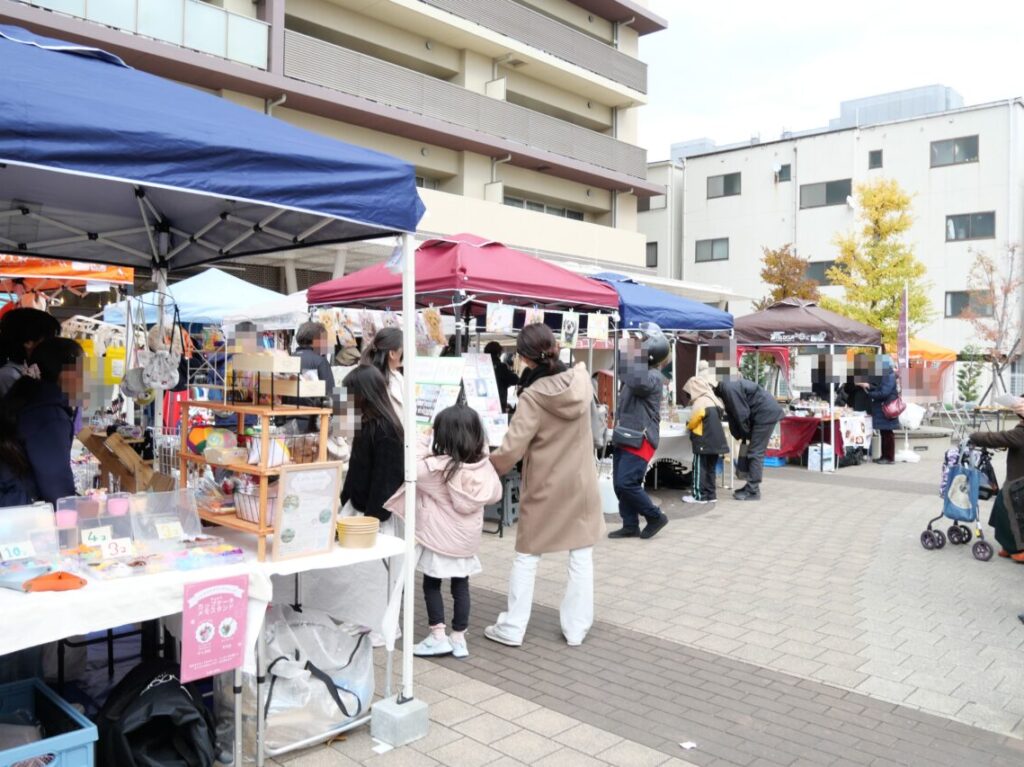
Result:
{"points": [[808, 629]]}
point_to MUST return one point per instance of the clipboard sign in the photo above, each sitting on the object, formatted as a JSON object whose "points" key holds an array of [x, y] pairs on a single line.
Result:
{"points": [[306, 509]]}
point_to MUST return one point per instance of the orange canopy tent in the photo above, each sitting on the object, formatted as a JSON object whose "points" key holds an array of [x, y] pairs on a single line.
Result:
{"points": [[42, 274], [926, 351]]}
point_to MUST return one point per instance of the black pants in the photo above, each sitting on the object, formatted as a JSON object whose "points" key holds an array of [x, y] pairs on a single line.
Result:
{"points": [[704, 476], [888, 444], [760, 434], [435, 604]]}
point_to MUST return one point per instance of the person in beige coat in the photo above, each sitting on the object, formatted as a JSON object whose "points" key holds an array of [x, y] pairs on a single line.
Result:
{"points": [[559, 506]]}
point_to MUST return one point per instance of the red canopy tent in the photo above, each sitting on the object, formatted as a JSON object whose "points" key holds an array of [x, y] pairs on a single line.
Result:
{"points": [[467, 266]]}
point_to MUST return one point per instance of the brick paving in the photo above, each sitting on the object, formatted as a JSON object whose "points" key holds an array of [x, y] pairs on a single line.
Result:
{"points": [[659, 693], [808, 629]]}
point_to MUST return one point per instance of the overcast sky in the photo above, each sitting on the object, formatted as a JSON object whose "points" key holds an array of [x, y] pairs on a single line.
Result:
{"points": [[732, 69]]}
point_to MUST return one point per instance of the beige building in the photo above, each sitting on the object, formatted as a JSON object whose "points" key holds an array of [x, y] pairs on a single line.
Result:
{"points": [[520, 116]]}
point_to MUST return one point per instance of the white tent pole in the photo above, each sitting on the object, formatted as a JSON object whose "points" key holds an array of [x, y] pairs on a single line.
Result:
{"points": [[409, 427], [160, 277]]}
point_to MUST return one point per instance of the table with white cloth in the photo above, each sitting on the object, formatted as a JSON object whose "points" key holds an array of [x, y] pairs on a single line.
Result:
{"points": [[33, 619], [673, 444]]}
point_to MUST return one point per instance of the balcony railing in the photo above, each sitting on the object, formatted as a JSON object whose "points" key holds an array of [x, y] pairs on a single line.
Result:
{"points": [[187, 23], [322, 63], [528, 26]]}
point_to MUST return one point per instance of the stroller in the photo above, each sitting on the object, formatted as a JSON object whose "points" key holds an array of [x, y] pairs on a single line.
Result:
{"points": [[967, 478]]}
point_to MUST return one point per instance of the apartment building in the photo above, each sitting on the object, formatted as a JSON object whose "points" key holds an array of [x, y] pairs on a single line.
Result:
{"points": [[963, 165], [520, 116]]}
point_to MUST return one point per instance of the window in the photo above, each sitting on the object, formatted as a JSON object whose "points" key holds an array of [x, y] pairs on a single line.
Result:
{"points": [[971, 226], [425, 182], [825, 193], [959, 302], [874, 159], [818, 271], [655, 202], [785, 173], [954, 151], [724, 186], [713, 250], [540, 207], [652, 254]]}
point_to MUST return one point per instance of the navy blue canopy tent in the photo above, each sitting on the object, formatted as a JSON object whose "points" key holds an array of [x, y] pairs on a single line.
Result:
{"points": [[640, 303], [102, 162]]}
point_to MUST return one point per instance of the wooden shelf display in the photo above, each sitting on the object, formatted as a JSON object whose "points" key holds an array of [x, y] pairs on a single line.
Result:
{"points": [[263, 528]]}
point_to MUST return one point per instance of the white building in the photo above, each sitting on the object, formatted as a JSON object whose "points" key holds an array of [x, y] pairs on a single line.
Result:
{"points": [[964, 167]]}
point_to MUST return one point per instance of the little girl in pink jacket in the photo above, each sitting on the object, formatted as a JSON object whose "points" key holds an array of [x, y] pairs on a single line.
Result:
{"points": [[454, 482]]}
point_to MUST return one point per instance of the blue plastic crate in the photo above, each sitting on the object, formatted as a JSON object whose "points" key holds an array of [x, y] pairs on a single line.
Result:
{"points": [[71, 738], [774, 461]]}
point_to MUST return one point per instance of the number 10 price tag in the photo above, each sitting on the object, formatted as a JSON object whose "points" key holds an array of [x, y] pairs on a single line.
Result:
{"points": [[16, 550]]}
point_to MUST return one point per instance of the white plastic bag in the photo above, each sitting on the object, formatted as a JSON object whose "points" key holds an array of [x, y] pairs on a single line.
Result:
{"points": [[912, 416]]}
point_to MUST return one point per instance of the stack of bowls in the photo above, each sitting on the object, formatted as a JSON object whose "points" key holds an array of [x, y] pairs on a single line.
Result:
{"points": [[358, 532]]}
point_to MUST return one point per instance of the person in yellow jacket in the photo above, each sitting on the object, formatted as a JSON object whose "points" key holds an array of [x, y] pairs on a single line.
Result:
{"points": [[706, 435]]}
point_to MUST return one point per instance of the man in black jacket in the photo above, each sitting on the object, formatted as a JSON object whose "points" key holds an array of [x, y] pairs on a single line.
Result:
{"points": [[311, 346], [752, 414], [638, 410]]}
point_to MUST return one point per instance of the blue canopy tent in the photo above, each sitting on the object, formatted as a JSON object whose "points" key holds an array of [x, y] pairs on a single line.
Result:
{"points": [[207, 298], [640, 303], [101, 162]]}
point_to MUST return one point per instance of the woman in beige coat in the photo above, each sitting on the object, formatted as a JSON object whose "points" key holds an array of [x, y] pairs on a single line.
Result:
{"points": [[559, 507]]}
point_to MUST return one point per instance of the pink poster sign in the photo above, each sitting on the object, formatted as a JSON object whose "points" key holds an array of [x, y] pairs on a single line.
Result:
{"points": [[213, 627]]}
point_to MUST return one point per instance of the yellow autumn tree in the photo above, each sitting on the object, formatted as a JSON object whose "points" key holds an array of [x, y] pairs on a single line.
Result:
{"points": [[785, 274], [875, 261]]}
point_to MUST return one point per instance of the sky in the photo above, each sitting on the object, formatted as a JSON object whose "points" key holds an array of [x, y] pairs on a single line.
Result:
{"points": [[733, 69]]}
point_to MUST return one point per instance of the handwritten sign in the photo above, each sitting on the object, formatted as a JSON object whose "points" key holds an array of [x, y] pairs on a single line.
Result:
{"points": [[16, 550], [96, 536], [117, 547], [306, 509], [213, 623], [169, 531]]}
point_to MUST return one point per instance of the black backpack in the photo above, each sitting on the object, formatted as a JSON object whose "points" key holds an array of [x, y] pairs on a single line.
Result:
{"points": [[151, 719]]}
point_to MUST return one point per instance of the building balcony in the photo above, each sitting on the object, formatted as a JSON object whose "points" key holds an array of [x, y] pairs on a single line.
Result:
{"points": [[321, 63], [544, 33], [188, 23]]}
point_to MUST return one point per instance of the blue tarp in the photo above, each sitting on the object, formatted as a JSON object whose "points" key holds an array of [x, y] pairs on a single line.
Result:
{"points": [[112, 164], [205, 299], [640, 303]]}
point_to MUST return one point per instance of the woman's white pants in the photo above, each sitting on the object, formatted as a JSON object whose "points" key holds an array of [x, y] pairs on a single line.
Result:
{"points": [[577, 610]]}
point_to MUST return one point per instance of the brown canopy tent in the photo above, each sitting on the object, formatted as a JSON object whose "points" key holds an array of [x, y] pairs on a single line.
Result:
{"points": [[798, 322]]}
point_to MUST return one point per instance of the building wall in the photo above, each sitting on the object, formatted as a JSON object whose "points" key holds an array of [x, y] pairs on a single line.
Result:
{"points": [[465, 186], [767, 212]]}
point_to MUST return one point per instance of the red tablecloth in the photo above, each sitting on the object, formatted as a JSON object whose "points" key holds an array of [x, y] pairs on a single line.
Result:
{"points": [[798, 432]]}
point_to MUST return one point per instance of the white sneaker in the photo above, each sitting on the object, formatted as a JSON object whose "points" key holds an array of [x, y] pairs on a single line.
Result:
{"points": [[691, 499], [430, 646], [459, 649], [491, 632]]}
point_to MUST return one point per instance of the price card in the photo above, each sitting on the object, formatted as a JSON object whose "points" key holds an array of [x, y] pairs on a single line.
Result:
{"points": [[96, 536], [168, 531], [117, 547], [16, 550]]}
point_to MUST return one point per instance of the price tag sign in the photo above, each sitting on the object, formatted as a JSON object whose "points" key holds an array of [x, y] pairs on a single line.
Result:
{"points": [[96, 536], [168, 531], [16, 550], [117, 547]]}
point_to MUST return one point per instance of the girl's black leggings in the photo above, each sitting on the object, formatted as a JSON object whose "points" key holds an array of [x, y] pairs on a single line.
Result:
{"points": [[435, 604]]}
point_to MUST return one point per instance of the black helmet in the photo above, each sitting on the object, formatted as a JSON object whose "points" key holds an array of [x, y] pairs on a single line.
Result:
{"points": [[653, 343]]}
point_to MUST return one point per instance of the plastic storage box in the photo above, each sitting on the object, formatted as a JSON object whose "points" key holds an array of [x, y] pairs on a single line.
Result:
{"points": [[69, 738]]}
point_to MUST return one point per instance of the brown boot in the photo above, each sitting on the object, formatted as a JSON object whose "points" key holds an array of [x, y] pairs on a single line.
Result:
{"points": [[1004, 553]]}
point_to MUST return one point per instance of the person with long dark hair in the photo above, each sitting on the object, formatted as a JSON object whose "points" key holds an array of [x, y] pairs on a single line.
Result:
{"points": [[384, 352], [454, 481], [21, 330], [39, 413], [559, 507], [376, 468]]}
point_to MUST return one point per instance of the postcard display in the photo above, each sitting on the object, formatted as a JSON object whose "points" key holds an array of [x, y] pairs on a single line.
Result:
{"points": [[440, 381]]}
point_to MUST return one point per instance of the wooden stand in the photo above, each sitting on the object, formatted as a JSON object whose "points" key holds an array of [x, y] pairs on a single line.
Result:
{"points": [[262, 529], [118, 460]]}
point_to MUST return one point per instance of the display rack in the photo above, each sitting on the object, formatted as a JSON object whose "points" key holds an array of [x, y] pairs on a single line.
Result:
{"points": [[228, 519]]}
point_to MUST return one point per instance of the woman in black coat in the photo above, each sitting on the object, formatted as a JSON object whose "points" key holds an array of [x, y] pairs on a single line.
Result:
{"points": [[376, 468], [882, 390], [38, 421]]}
